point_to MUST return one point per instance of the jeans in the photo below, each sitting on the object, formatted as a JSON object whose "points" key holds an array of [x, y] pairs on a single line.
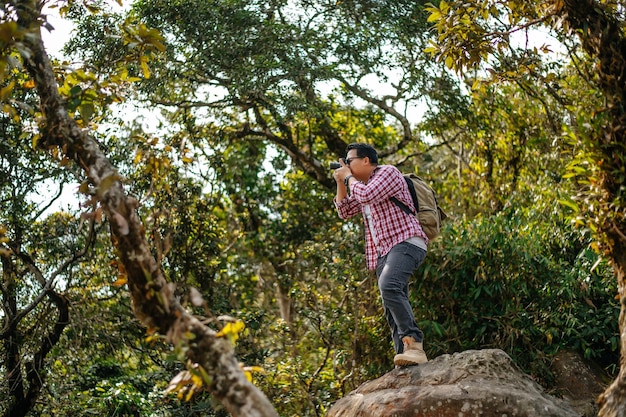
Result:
{"points": [[394, 271]]}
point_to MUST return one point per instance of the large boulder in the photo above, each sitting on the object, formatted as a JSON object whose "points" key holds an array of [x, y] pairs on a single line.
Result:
{"points": [[579, 382], [483, 383]]}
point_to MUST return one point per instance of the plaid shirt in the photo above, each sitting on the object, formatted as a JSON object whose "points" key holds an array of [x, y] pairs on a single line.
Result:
{"points": [[391, 224]]}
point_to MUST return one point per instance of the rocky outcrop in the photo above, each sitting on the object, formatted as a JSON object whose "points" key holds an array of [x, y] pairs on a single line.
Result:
{"points": [[579, 382], [483, 383]]}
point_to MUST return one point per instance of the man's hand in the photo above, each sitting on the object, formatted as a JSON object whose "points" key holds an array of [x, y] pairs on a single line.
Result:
{"points": [[341, 173]]}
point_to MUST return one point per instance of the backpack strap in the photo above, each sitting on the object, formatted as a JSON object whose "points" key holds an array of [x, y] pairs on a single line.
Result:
{"points": [[403, 206], [409, 183]]}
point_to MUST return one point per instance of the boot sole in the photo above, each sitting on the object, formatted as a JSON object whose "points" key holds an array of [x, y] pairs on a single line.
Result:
{"points": [[403, 359], [407, 363]]}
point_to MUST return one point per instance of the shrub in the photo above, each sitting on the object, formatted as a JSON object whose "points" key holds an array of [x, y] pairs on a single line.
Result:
{"points": [[520, 281]]}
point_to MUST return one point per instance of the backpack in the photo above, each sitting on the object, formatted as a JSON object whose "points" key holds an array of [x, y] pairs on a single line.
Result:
{"points": [[429, 214]]}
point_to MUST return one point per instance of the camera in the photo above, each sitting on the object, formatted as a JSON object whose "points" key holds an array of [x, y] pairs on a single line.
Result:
{"points": [[336, 165]]}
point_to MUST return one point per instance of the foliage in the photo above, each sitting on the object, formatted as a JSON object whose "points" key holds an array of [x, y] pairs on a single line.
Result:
{"points": [[264, 70], [524, 281], [106, 365], [240, 227], [38, 252], [592, 34]]}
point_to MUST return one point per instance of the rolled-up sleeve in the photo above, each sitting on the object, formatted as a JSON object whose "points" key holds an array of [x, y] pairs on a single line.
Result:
{"points": [[348, 207]]}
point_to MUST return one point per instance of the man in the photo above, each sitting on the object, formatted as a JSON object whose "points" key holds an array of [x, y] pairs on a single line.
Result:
{"points": [[395, 242]]}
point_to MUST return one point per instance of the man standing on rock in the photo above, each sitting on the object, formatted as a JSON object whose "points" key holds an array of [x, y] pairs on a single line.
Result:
{"points": [[395, 242]]}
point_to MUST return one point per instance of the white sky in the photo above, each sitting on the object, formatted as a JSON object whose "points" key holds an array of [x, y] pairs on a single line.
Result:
{"points": [[55, 39]]}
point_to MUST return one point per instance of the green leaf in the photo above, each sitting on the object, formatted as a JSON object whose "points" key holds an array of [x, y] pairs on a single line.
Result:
{"points": [[570, 204], [86, 111]]}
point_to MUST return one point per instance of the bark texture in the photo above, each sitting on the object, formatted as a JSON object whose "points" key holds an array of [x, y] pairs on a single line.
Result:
{"points": [[153, 298], [601, 34]]}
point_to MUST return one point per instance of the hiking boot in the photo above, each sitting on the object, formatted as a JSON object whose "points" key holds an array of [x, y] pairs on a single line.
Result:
{"points": [[413, 353]]}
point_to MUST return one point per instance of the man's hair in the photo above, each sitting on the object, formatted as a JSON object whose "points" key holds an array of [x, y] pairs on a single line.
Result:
{"points": [[363, 150]]}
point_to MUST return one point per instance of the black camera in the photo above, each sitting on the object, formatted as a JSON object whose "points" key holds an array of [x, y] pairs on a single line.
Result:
{"points": [[336, 165]]}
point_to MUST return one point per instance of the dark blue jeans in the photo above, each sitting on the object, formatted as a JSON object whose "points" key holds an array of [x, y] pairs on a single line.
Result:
{"points": [[394, 271]]}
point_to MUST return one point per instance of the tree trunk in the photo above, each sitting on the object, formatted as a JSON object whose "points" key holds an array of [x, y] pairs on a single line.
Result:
{"points": [[24, 376], [601, 35], [153, 298], [612, 402]]}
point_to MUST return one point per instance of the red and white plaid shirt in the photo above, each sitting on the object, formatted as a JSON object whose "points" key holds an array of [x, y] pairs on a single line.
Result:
{"points": [[390, 223]]}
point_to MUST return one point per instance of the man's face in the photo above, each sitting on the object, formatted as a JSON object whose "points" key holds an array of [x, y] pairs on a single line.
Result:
{"points": [[358, 165]]}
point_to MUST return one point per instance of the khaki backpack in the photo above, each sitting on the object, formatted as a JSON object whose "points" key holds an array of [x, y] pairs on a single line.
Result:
{"points": [[428, 212]]}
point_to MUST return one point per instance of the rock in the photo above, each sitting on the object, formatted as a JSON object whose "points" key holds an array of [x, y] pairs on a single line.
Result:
{"points": [[483, 383], [580, 382]]}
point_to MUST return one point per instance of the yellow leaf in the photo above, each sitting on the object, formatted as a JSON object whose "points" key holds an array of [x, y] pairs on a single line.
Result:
{"points": [[5, 92], [121, 280], [152, 338], [138, 157], [248, 370], [36, 138], [444, 7], [189, 394], [29, 84], [430, 50], [435, 15], [159, 46], [145, 69], [196, 380], [231, 330]]}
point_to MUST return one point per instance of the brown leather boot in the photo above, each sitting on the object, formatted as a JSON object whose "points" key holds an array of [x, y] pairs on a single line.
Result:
{"points": [[413, 353]]}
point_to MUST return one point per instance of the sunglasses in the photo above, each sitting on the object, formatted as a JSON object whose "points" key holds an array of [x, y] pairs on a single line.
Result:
{"points": [[349, 160]]}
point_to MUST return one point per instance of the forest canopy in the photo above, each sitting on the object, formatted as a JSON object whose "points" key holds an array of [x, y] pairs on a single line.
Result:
{"points": [[209, 239]]}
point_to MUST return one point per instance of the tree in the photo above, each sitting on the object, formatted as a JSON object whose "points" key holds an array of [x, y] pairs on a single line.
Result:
{"points": [[154, 301], [472, 32], [35, 255], [248, 72], [264, 242], [265, 69]]}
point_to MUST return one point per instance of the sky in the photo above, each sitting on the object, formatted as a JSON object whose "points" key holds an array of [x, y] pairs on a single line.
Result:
{"points": [[55, 39]]}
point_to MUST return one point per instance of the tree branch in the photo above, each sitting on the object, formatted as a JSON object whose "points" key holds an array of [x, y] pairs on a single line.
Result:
{"points": [[154, 302], [407, 133]]}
